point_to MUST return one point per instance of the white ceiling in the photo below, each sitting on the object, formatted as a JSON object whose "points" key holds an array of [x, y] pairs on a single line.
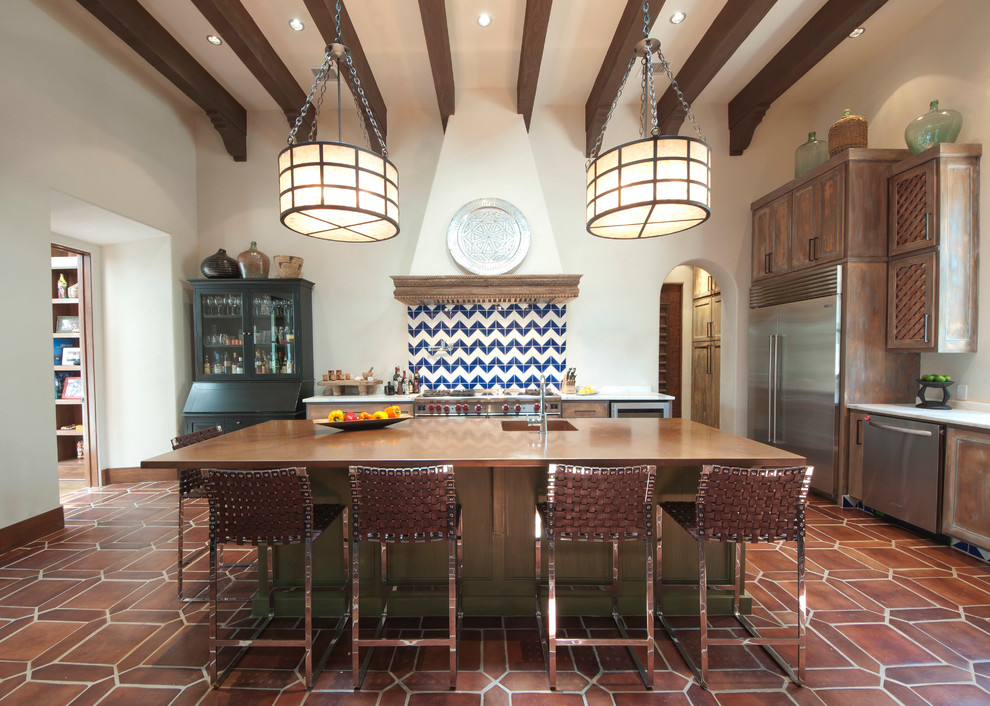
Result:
{"points": [[578, 37]]}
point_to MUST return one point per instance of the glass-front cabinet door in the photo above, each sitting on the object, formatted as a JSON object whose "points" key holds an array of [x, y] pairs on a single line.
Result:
{"points": [[222, 349], [273, 333], [252, 329]]}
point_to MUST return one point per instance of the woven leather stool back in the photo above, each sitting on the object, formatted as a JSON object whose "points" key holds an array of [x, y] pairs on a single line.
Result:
{"points": [[403, 503], [190, 480], [588, 503], [752, 504], [259, 507]]}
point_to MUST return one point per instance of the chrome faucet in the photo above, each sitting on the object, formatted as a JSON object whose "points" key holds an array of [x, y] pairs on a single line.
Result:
{"points": [[542, 418]]}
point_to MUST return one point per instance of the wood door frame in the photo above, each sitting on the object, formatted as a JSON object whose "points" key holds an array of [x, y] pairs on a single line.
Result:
{"points": [[675, 309], [86, 343]]}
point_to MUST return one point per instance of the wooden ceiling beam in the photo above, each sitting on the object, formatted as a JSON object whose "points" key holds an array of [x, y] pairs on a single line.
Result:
{"points": [[433, 14], [146, 36], [620, 51], [323, 12], [729, 30], [534, 38], [241, 33], [812, 43]]}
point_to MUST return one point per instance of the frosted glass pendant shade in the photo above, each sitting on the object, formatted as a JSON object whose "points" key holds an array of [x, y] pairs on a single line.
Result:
{"points": [[336, 191], [650, 187]]}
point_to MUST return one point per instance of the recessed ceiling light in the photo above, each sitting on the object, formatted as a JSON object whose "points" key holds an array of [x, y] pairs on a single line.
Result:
{"points": [[484, 19], [677, 18], [856, 32], [214, 40], [296, 24]]}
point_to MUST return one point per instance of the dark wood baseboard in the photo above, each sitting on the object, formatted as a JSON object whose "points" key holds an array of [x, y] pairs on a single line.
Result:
{"points": [[137, 475], [30, 529]]}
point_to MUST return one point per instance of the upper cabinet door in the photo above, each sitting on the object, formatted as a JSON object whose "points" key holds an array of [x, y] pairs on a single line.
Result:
{"points": [[817, 222], [771, 238], [912, 224]]}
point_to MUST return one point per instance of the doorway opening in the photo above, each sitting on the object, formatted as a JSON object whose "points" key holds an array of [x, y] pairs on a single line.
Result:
{"points": [[73, 367], [690, 345]]}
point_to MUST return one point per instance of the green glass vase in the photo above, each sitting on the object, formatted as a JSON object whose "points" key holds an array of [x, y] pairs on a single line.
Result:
{"points": [[933, 127], [810, 155]]}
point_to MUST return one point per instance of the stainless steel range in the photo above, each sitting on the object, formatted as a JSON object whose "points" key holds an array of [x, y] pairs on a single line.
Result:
{"points": [[482, 403]]}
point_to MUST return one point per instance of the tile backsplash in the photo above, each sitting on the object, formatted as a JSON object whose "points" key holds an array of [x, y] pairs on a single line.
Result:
{"points": [[463, 346]]}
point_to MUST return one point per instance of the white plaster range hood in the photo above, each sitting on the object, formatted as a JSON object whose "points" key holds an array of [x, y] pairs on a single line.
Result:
{"points": [[486, 154]]}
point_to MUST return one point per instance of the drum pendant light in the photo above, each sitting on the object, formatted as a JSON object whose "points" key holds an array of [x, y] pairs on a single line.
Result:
{"points": [[334, 190], [654, 186]]}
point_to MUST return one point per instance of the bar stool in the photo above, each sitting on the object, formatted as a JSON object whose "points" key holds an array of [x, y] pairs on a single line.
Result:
{"points": [[396, 506], [264, 509], [190, 488], [741, 505], [588, 504]]}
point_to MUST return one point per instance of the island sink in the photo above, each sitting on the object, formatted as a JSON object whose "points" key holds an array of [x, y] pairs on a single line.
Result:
{"points": [[523, 425]]}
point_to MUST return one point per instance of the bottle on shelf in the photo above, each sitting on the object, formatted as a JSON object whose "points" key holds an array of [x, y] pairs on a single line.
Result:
{"points": [[206, 365], [226, 364], [396, 381], [217, 367], [405, 383], [415, 381]]}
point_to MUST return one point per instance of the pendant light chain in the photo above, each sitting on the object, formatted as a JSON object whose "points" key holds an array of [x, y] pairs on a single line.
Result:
{"points": [[680, 96], [321, 78], [601, 135]]}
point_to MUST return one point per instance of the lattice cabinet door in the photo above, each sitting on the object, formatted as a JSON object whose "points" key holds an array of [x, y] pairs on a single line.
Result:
{"points": [[911, 302], [913, 224]]}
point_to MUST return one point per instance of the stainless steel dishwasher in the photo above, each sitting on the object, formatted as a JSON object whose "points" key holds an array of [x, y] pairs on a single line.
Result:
{"points": [[902, 469]]}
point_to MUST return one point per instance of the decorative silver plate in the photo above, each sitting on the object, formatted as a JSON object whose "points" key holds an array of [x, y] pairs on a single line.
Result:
{"points": [[488, 236]]}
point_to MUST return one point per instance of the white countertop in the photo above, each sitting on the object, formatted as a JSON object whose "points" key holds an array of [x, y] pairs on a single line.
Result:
{"points": [[977, 419], [377, 398]]}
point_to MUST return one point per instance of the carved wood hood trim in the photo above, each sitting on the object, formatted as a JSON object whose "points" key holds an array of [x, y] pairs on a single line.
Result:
{"points": [[480, 289]]}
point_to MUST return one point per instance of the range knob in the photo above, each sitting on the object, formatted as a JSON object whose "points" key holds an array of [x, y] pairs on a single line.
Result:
{"points": [[518, 408], [505, 408], [477, 408], [536, 407], [430, 408], [446, 409], [457, 408]]}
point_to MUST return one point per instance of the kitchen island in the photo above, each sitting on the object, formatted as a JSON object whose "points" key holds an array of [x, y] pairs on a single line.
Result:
{"points": [[499, 474]]}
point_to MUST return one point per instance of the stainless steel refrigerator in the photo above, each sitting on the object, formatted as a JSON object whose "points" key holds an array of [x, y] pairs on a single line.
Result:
{"points": [[794, 354]]}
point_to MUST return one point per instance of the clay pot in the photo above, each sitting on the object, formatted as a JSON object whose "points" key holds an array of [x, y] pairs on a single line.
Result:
{"points": [[220, 265]]}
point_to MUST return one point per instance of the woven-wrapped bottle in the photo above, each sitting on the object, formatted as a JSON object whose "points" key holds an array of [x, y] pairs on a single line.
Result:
{"points": [[848, 131]]}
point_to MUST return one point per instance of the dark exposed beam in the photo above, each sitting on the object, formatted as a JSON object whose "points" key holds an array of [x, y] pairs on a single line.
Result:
{"points": [[434, 16], [142, 32], [620, 51], [734, 23], [811, 44], [236, 27], [531, 55], [323, 12]]}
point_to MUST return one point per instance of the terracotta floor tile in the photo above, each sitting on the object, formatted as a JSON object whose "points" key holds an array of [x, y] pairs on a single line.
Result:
{"points": [[860, 569], [887, 646], [34, 639], [955, 694], [856, 697]]}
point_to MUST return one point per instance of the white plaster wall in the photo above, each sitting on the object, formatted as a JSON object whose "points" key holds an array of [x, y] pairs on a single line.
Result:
{"points": [[136, 364], [73, 122]]}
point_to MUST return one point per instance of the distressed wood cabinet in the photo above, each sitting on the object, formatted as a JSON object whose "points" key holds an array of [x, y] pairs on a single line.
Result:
{"points": [[854, 458], [584, 408], [771, 238], [933, 243], [967, 486], [835, 212]]}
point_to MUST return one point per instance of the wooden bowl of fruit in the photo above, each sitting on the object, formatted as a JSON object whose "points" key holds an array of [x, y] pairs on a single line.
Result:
{"points": [[353, 421]]}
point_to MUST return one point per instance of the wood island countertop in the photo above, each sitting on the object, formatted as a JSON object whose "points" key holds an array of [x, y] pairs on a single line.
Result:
{"points": [[475, 442]]}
